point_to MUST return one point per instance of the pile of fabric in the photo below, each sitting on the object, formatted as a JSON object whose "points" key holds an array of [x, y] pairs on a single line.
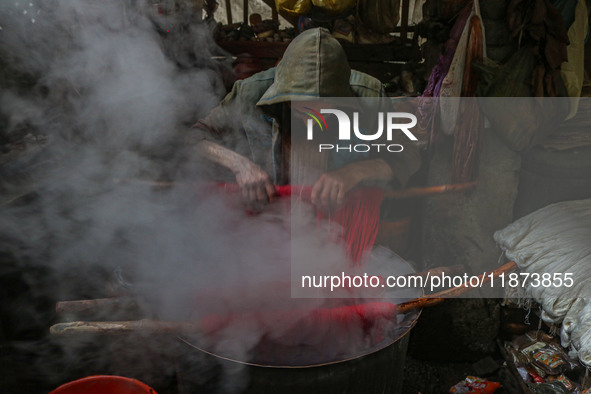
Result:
{"points": [[553, 244], [544, 45]]}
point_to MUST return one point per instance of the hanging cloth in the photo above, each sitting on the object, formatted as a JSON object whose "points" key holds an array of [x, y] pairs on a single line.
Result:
{"points": [[573, 70], [452, 83]]}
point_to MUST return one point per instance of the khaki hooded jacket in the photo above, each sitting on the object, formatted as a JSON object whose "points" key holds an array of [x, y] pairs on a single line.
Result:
{"points": [[249, 119]]}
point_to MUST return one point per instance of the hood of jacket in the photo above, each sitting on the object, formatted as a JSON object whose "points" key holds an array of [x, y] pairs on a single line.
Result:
{"points": [[314, 65]]}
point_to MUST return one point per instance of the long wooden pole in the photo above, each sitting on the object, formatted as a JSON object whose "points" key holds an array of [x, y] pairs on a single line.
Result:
{"points": [[81, 306], [438, 298], [164, 327], [124, 327], [389, 194], [97, 304], [428, 191]]}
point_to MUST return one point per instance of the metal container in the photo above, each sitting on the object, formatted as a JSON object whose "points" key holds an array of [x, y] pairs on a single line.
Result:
{"points": [[377, 371]]}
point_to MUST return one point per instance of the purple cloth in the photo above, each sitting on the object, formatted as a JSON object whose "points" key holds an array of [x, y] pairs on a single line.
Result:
{"points": [[442, 68], [427, 108]]}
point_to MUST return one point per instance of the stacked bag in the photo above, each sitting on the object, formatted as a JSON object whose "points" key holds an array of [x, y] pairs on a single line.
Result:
{"points": [[556, 240]]}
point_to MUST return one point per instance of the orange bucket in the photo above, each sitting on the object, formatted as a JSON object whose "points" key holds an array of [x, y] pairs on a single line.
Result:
{"points": [[104, 384]]}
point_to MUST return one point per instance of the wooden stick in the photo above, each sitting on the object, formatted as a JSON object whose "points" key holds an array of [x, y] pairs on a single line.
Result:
{"points": [[428, 191], [390, 194], [124, 327], [404, 21], [166, 327], [437, 271], [91, 305], [274, 14], [229, 11], [437, 298]]}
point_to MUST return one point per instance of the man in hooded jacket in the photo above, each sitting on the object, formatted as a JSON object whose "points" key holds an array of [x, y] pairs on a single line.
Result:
{"points": [[248, 133]]}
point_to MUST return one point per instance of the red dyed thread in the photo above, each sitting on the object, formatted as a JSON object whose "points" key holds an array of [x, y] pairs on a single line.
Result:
{"points": [[359, 216]]}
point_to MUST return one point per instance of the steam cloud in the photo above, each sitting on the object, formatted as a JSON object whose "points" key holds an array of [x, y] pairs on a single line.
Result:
{"points": [[106, 97], [108, 103]]}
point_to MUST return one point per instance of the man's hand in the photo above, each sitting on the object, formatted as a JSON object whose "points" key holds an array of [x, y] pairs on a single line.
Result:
{"points": [[255, 184], [331, 189]]}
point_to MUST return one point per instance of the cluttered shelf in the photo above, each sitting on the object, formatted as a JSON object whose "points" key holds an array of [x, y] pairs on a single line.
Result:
{"points": [[355, 52]]}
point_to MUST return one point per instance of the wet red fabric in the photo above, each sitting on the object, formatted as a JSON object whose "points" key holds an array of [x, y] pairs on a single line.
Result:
{"points": [[358, 217], [302, 325], [356, 224]]}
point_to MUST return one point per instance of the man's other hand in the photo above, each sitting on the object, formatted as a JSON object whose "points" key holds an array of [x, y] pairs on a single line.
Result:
{"points": [[331, 189], [255, 184]]}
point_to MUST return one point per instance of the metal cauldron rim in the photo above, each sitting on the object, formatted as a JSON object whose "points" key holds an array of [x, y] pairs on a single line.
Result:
{"points": [[411, 320]]}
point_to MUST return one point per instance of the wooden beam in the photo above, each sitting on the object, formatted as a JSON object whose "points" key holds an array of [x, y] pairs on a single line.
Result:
{"points": [[274, 14], [404, 21], [229, 11], [245, 11]]}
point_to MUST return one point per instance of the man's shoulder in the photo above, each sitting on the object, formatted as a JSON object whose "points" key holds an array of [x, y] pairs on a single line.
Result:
{"points": [[252, 88], [364, 85]]}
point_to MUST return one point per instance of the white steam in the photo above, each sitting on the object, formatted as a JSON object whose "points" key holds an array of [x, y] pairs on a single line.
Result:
{"points": [[111, 99]]}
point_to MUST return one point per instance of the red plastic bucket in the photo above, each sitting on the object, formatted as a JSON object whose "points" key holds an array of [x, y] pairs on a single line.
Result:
{"points": [[104, 384]]}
